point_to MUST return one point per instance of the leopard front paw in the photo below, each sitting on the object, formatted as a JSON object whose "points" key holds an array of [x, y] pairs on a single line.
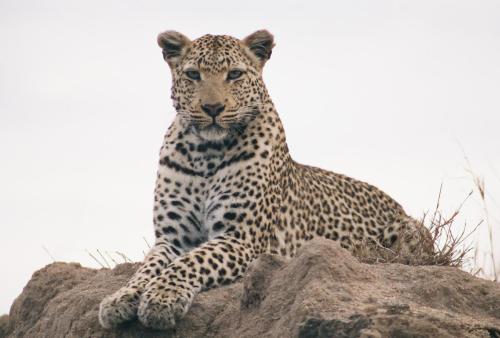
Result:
{"points": [[162, 308], [119, 307]]}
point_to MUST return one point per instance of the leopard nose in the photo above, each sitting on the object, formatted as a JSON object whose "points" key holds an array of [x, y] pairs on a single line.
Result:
{"points": [[213, 109]]}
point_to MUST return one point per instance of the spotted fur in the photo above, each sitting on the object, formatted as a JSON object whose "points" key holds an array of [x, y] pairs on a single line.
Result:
{"points": [[227, 189]]}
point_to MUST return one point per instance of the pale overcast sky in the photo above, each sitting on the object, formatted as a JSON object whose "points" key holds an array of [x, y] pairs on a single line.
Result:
{"points": [[384, 91]]}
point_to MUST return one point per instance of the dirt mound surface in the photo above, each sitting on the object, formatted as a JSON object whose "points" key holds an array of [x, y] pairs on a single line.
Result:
{"points": [[322, 292]]}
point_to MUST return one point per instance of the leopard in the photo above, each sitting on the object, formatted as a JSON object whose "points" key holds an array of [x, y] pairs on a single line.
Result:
{"points": [[228, 191]]}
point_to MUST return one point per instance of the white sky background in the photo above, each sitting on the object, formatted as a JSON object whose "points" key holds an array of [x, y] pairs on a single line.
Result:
{"points": [[384, 91]]}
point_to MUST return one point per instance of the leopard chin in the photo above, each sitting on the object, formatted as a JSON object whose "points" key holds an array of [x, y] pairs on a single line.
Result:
{"points": [[213, 132]]}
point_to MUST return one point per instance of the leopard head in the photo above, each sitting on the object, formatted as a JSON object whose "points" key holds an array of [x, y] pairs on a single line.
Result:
{"points": [[217, 86]]}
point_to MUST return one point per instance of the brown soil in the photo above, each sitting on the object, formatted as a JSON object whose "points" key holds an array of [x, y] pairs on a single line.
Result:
{"points": [[322, 292]]}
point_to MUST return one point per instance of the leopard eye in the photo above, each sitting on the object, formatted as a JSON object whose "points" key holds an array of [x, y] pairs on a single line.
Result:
{"points": [[234, 74], [193, 75]]}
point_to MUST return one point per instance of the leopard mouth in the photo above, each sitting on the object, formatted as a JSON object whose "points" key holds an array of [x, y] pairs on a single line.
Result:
{"points": [[220, 128], [205, 126], [214, 127]]}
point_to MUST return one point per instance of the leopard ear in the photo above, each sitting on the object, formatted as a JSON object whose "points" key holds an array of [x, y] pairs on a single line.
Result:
{"points": [[174, 46], [260, 45]]}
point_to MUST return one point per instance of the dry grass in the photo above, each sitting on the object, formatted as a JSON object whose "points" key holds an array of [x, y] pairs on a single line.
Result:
{"points": [[111, 259], [449, 249], [479, 185], [103, 262], [435, 245]]}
